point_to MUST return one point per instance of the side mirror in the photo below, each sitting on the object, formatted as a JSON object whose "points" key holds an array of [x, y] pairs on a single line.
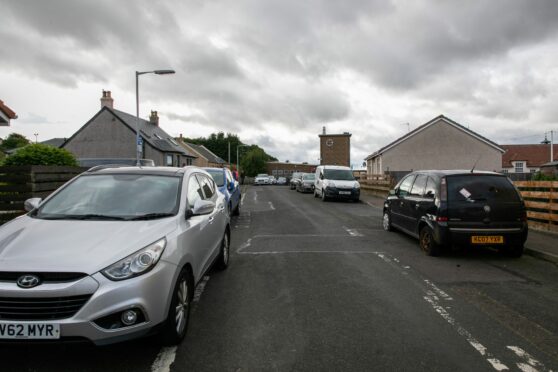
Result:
{"points": [[392, 192], [202, 207], [230, 186], [32, 203]]}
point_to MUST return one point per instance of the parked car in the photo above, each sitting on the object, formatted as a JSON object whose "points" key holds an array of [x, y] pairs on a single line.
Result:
{"points": [[112, 255], [281, 181], [295, 179], [228, 186], [272, 180], [443, 208], [306, 183], [336, 182], [93, 162], [261, 179]]}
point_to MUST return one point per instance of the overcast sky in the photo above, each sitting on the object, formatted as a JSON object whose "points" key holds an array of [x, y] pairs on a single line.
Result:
{"points": [[275, 72]]}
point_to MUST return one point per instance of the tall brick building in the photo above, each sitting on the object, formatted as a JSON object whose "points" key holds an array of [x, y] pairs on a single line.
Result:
{"points": [[335, 149]]}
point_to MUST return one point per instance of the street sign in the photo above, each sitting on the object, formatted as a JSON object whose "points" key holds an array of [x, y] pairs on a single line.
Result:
{"points": [[140, 141]]}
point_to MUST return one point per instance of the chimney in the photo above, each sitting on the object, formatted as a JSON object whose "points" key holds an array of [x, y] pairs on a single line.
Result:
{"points": [[106, 99], [154, 118], [180, 135], [323, 129]]}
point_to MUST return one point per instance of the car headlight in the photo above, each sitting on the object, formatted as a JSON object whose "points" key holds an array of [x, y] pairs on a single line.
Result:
{"points": [[356, 185], [137, 263]]}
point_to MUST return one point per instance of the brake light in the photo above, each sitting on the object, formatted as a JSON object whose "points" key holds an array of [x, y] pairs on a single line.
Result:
{"points": [[443, 190], [441, 219]]}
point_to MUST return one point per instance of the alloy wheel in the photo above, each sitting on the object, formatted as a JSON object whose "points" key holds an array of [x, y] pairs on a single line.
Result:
{"points": [[182, 304]]}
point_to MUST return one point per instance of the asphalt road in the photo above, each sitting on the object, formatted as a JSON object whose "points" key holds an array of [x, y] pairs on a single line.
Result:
{"points": [[320, 286]]}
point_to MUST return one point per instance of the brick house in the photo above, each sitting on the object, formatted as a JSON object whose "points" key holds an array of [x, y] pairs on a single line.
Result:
{"points": [[335, 149], [111, 133], [440, 143], [204, 157], [526, 158], [284, 169]]}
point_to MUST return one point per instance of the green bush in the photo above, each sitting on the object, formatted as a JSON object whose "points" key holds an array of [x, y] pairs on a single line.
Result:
{"points": [[38, 154], [543, 177]]}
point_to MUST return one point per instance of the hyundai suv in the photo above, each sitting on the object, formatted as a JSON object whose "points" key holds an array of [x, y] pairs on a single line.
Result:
{"points": [[113, 254], [464, 208]]}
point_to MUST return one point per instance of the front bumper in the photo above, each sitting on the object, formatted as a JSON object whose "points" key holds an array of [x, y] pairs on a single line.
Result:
{"points": [[338, 193], [150, 293]]}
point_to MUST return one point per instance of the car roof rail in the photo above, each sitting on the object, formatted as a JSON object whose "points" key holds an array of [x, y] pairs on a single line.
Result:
{"points": [[106, 166]]}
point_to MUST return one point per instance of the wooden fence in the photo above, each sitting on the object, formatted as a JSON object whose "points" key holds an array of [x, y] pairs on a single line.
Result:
{"points": [[377, 184], [541, 201], [20, 183]]}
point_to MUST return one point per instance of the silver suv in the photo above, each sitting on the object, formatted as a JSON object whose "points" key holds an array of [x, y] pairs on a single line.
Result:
{"points": [[112, 255]]}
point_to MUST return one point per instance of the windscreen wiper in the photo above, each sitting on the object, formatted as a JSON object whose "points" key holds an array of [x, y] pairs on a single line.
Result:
{"points": [[90, 216], [150, 216]]}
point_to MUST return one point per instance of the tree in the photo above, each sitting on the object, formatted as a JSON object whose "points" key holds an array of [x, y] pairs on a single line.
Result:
{"points": [[254, 162], [13, 141], [39, 154]]}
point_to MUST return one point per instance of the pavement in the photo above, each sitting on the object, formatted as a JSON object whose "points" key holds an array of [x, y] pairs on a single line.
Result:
{"points": [[541, 244]]}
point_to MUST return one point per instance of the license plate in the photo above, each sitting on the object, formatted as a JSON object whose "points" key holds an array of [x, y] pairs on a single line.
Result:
{"points": [[344, 193], [30, 331], [487, 239]]}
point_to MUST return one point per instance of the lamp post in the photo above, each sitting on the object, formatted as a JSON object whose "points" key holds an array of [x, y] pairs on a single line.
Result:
{"points": [[138, 73], [551, 142], [237, 163], [36, 137]]}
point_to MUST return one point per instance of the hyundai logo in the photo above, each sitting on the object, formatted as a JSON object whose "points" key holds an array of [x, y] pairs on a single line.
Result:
{"points": [[28, 281]]}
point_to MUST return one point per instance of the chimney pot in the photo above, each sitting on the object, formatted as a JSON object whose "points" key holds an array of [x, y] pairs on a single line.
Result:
{"points": [[154, 118], [324, 130], [106, 99]]}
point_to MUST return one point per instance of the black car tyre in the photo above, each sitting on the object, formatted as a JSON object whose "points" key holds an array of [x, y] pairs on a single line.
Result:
{"points": [[315, 193], [386, 222], [236, 211], [324, 197], [427, 242], [223, 259], [178, 316]]}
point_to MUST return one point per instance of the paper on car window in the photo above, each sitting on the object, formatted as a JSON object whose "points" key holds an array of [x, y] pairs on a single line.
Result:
{"points": [[465, 193]]}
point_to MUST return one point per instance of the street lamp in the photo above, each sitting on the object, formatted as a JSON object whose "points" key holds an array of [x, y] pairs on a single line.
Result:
{"points": [[237, 163], [36, 137], [138, 73], [551, 142]]}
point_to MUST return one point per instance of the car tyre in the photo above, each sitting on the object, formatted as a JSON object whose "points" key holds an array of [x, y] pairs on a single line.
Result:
{"points": [[223, 259], [178, 316], [427, 242], [315, 193], [324, 197], [386, 222], [236, 211]]}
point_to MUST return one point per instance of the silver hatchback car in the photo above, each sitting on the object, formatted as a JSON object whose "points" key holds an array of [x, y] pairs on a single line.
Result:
{"points": [[114, 254]]}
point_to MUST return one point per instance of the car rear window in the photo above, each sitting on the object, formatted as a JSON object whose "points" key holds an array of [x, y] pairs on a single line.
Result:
{"points": [[473, 188]]}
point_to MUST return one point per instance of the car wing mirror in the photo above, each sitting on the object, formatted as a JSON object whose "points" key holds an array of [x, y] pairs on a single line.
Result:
{"points": [[392, 192], [231, 186], [32, 203], [202, 207]]}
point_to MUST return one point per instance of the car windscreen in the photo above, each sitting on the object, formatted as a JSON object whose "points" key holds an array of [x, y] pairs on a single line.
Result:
{"points": [[472, 188], [115, 196], [309, 177], [338, 174], [218, 176]]}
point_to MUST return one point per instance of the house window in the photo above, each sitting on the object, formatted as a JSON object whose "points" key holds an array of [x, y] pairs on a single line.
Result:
{"points": [[168, 160], [533, 170], [188, 161], [519, 167], [505, 171]]}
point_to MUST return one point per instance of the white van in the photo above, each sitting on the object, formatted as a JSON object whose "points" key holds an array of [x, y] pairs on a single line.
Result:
{"points": [[333, 181]]}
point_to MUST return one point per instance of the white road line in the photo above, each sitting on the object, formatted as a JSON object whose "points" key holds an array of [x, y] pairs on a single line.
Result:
{"points": [[531, 364], [432, 299], [298, 252], [242, 197], [271, 206], [352, 232], [442, 294], [199, 289], [167, 355], [255, 196], [164, 359]]}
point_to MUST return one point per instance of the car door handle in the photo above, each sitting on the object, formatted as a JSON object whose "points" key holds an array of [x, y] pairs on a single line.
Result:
{"points": [[211, 219], [417, 206], [401, 204]]}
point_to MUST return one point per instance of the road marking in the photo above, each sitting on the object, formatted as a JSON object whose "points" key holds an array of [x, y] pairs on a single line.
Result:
{"points": [[164, 359], [255, 197], [199, 289], [297, 252], [242, 197], [432, 299], [532, 363], [352, 232], [271, 206], [442, 294], [167, 355]]}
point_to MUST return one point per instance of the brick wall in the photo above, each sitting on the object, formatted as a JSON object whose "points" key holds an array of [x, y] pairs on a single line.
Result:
{"points": [[335, 149], [278, 169]]}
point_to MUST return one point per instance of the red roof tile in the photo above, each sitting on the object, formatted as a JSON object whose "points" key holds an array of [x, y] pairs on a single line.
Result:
{"points": [[534, 155], [7, 111]]}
